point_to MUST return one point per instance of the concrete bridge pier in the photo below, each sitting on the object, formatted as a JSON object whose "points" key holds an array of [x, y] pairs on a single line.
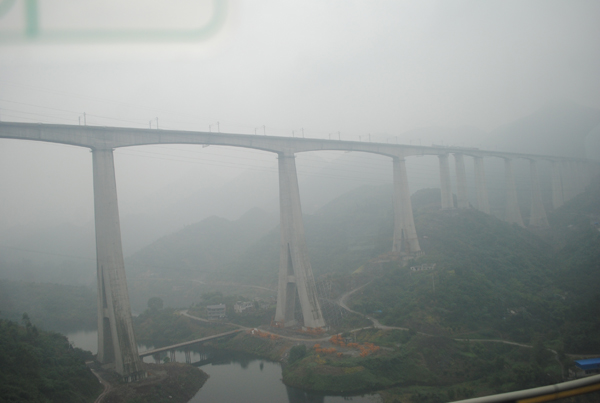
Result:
{"points": [[405, 234], [461, 182], [295, 272], [557, 188], [116, 341], [482, 196], [577, 183], [582, 173], [537, 217], [445, 185], [566, 181], [572, 175], [513, 214], [578, 179]]}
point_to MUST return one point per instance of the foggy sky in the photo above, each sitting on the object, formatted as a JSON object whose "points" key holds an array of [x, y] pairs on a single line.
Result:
{"points": [[354, 67]]}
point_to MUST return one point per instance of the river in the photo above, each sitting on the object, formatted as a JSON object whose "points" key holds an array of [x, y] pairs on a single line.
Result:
{"points": [[234, 377]]}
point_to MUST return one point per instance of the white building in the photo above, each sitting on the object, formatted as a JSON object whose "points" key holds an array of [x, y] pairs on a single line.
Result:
{"points": [[216, 312], [242, 306]]}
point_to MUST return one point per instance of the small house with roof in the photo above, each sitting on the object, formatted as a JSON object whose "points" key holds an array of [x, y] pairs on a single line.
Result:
{"points": [[588, 366]]}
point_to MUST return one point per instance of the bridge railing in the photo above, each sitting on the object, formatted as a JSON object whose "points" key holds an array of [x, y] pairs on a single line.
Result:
{"points": [[543, 393]]}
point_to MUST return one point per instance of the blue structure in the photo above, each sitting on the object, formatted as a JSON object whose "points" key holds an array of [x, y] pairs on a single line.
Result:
{"points": [[589, 365]]}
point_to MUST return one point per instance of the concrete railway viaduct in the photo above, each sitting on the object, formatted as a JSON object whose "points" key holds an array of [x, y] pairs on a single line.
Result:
{"points": [[116, 340]]}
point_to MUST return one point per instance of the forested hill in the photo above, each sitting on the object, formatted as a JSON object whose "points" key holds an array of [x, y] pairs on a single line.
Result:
{"points": [[485, 270], [38, 366], [202, 247], [498, 280], [577, 226], [491, 278], [341, 237]]}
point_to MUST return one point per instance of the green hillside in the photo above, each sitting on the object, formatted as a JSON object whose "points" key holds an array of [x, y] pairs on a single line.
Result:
{"points": [[575, 226], [428, 369], [491, 279], [488, 274], [497, 280], [43, 367]]}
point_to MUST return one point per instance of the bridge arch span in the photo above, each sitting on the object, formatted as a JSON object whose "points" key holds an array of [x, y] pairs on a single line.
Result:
{"points": [[295, 277]]}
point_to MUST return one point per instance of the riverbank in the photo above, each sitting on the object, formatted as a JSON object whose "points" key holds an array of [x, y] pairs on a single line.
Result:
{"points": [[398, 364], [171, 382], [270, 348]]}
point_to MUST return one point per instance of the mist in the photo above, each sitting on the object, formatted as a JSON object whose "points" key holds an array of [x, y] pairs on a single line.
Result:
{"points": [[501, 76]]}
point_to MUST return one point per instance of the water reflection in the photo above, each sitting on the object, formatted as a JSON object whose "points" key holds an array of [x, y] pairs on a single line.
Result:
{"points": [[300, 396], [243, 377], [233, 376]]}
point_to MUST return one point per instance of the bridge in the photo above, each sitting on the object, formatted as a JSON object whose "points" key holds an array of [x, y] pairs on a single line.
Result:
{"points": [[174, 347], [116, 341]]}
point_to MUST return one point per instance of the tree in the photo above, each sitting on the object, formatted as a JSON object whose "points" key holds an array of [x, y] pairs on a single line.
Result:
{"points": [[155, 304], [297, 353]]}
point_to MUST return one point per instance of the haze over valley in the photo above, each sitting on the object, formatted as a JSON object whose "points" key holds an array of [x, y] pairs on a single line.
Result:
{"points": [[393, 202]]}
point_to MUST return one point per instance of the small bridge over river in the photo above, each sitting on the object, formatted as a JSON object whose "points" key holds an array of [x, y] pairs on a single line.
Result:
{"points": [[179, 346], [188, 343]]}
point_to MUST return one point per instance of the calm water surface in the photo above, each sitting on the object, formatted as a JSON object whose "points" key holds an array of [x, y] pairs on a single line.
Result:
{"points": [[234, 377], [237, 377]]}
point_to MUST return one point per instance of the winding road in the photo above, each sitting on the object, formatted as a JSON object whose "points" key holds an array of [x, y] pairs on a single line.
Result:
{"points": [[107, 387], [341, 301]]}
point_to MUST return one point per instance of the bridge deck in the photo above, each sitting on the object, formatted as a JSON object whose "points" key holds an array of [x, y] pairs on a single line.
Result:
{"points": [[101, 137], [187, 343]]}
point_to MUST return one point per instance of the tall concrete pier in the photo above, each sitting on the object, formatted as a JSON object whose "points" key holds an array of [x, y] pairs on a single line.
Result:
{"points": [[581, 177], [445, 186], [557, 188], [116, 341], [405, 234], [483, 203], [537, 217], [513, 213], [569, 188], [295, 273], [461, 182], [586, 173]]}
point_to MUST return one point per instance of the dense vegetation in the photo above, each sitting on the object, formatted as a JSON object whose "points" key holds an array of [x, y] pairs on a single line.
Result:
{"points": [[488, 274], [496, 280], [575, 230], [55, 307], [39, 366], [491, 280], [411, 359]]}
